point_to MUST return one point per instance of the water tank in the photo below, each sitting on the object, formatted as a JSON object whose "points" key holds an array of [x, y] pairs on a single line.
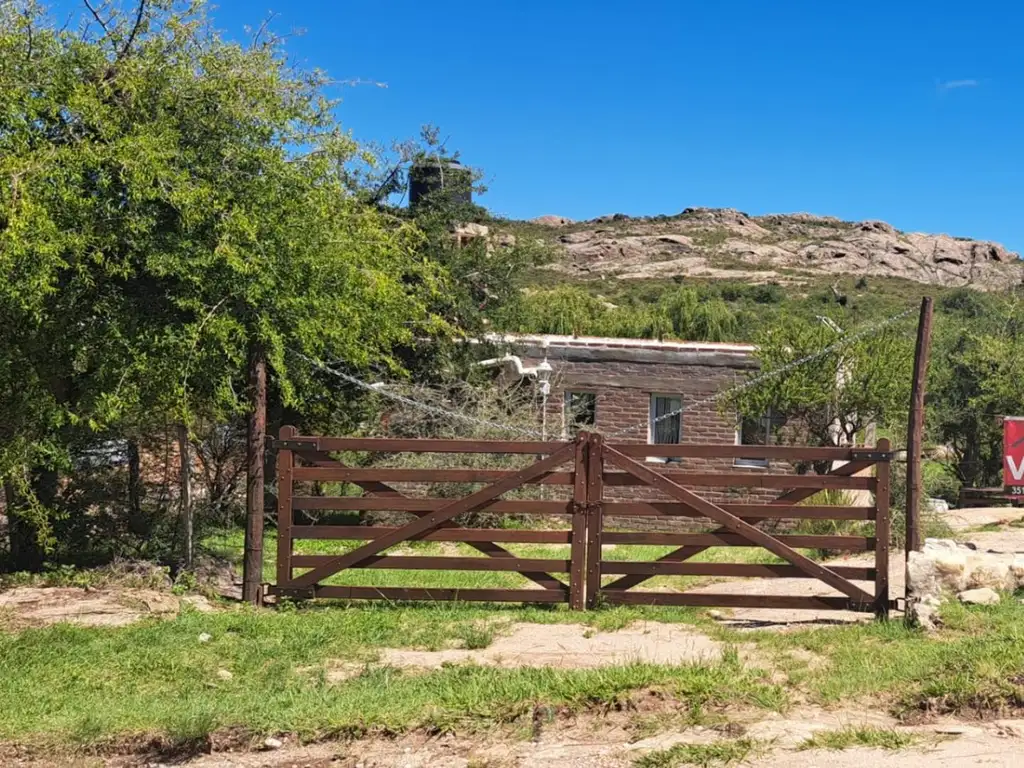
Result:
{"points": [[440, 178]]}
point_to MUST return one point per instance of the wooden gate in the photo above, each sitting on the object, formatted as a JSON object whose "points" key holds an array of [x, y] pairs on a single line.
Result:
{"points": [[546, 486], [741, 525], [577, 482]]}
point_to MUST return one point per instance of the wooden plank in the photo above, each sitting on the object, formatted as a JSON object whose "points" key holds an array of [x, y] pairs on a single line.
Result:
{"points": [[743, 480], [915, 425], [425, 445], [454, 595], [432, 563], [753, 511], [342, 474], [883, 533], [740, 570], [578, 554], [285, 464], [434, 519], [469, 535], [789, 498], [726, 451], [595, 515], [736, 525], [840, 543], [411, 504], [539, 576], [827, 603]]}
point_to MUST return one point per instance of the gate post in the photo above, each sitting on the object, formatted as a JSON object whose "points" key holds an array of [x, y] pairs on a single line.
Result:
{"points": [[578, 550], [285, 465], [883, 533], [595, 516]]}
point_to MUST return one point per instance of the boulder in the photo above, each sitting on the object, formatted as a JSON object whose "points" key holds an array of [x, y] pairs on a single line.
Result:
{"points": [[552, 221], [983, 596]]}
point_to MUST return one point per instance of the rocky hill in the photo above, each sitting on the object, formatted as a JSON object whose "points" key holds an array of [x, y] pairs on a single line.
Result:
{"points": [[725, 243]]}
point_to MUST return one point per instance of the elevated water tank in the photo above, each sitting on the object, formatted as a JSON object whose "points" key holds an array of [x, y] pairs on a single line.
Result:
{"points": [[440, 179]]}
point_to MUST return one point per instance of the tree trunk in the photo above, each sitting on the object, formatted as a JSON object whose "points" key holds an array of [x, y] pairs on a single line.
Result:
{"points": [[252, 566], [137, 522], [185, 494], [26, 553]]}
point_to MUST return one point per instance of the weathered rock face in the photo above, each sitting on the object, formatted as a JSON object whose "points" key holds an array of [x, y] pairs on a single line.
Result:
{"points": [[705, 242], [944, 568]]}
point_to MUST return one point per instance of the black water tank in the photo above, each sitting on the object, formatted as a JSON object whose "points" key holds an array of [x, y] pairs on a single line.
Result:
{"points": [[441, 178]]}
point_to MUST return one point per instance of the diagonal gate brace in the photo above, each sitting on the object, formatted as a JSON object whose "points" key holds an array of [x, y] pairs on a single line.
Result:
{"points": [[738, 526], [434, 519]]}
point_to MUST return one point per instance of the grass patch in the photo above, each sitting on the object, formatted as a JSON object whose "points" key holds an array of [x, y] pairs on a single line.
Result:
{"points": [[863, 736], [719, 753], [974, 667], [85, 686]]}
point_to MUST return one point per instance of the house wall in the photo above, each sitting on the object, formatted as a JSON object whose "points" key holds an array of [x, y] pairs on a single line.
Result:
{"points": [[624, 384]]}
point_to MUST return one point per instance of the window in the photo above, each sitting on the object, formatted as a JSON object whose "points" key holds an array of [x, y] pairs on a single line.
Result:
{"points": [[763, 430], [580, 411], [666, 426]]}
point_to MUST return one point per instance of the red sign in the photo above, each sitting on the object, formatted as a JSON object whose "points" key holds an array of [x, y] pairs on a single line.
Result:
{"points": [[1013, 456]]}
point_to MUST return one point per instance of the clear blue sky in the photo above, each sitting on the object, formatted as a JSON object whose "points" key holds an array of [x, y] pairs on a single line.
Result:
{"points": [[907, 111]]}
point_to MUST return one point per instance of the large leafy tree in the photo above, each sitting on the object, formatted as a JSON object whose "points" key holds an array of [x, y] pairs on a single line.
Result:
{"points": [[837, 395], [177, 211]]}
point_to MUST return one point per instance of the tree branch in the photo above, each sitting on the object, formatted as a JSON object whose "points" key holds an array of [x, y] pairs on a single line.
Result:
{"points": [[99, 19], [135, 29]]}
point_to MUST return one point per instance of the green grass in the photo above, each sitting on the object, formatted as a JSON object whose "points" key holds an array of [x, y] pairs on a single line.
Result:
{"points": [[83, 686], [862, 736], [974, 667], [229, 546], [705, 755]]}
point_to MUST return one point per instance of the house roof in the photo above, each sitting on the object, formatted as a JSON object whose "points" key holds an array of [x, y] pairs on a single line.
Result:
{"points": [[608, 342]]}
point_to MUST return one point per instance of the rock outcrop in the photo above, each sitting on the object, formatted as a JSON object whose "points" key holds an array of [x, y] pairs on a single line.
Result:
{"points": [[706, 242]]}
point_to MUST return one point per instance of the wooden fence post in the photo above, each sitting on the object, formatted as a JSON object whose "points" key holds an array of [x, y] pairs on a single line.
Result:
{"points": [[915, 425], [285, 464], [595, 515], [252, 563], [578, 549], [883, 531]]}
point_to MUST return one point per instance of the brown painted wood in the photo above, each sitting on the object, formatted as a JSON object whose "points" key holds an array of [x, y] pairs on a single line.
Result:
{"points": [[744, 480], [256, 434], [841, 543], [285, 463], [540, 576], [595, 515], [828, 603], [736, 525], [753, 511], [915, 425], [434, 519], [339, 474], [783, 452], [883, 534], [420, 593], [425, 445], [789, 498], [468, 535], [741, 570], [577, 576], [507, 562], [410, 504]]}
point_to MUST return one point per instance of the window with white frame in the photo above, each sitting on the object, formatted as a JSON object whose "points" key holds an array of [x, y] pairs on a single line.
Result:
{"points": [[580, 411], [666, 420], [762, 430]]}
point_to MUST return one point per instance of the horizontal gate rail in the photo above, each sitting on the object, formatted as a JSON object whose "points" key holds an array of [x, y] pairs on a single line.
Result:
{"points": [[579, 480]]}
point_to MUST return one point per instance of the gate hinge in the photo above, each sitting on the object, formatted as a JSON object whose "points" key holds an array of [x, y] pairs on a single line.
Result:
{"points": [[292, 593]]}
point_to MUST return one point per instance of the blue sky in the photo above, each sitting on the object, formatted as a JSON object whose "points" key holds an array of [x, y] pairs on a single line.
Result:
{"points": [[908, 111]]}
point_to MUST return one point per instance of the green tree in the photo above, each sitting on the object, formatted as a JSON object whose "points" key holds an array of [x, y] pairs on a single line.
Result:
{"points": [[835, 397], [176, 212]]}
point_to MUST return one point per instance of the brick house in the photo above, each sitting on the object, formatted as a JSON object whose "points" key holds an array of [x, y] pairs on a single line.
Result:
{"points": [[614, 385]]}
